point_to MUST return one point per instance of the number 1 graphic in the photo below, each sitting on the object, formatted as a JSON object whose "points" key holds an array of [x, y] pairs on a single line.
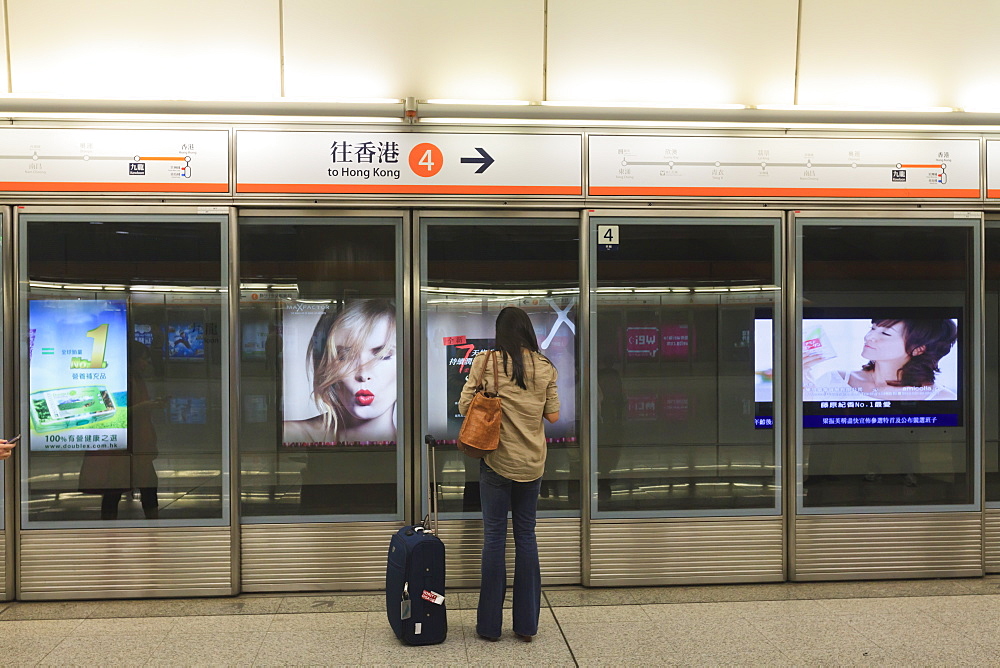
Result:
{"points": [[100, 336]]}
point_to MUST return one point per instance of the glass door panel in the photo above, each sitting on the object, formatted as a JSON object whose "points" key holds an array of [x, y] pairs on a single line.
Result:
{"points": [[320, 377], [470, 269], [684, 406], [991, 421], [124, 333], [3, 357], [887, 332]]}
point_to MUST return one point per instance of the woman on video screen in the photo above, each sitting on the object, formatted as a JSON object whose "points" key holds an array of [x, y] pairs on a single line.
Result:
{"points": [[353, 357], [903, 356]]}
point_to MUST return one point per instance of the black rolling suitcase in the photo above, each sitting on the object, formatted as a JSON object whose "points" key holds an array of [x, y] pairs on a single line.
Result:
{"points": [[414, 578]]}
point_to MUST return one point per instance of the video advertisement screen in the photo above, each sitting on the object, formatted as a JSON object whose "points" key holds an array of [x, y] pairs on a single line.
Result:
{"points": [[78, 374], [186, 340], [670, 342], [870, 367], [455, 337]]}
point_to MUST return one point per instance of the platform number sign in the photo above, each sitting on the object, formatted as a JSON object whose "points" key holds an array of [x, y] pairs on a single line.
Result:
{"points": [[607, 237]]}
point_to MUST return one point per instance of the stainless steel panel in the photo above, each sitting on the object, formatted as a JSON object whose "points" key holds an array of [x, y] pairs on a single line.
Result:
{"points": [[991, 540], [315, 557], [558, 550], [681, 551], [124, 563], [914, 545], [3, 566]]}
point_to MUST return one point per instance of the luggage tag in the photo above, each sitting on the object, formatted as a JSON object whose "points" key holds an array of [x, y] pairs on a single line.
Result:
{"points": [[433, 597], [405, 606]]}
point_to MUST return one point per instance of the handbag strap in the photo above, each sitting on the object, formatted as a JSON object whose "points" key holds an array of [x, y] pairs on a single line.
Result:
{"points": [[490, 357]]}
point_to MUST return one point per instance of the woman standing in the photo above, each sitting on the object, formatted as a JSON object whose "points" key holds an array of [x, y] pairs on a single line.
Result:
{"points": [[510, 476]]}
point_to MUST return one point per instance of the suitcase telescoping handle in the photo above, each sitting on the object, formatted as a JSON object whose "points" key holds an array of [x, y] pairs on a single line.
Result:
{"points": [[432, 500]]}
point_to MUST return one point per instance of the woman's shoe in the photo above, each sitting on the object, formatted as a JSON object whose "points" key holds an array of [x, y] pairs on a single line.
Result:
{"points": [[524, 637], [490, 638]]}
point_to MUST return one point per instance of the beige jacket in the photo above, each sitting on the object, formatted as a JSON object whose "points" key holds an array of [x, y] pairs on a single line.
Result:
{"points": [[521, 455]]}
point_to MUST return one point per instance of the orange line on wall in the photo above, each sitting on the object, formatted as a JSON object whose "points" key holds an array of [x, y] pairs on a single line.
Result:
{"points": [[784, 192], [937, 166], [405, 189], [161, 158], [992, 193], [70, 186]]}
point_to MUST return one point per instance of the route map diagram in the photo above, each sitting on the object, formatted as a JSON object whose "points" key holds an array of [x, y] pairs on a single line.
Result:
{"points": [[113, 160], [783, 166]]}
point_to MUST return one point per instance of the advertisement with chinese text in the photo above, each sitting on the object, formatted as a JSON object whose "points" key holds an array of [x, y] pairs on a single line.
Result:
{"points": [[78, 374], [873, 367], [455, 336]]}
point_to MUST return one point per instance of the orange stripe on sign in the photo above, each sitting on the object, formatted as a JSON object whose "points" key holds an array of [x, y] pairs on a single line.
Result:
{"points": [[783, 192], [68, 186], [405, 189], [147, 159], [992, 193], [937, 166]]}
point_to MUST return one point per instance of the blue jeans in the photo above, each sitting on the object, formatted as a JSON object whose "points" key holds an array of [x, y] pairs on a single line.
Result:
{"points": [[499, 496]]}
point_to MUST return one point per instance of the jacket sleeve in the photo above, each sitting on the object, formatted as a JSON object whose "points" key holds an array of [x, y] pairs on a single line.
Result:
{"points": [[552, 394], [470, 384]]}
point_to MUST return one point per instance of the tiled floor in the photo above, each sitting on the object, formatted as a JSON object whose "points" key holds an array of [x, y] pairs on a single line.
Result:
{"points": [[913, 623]]}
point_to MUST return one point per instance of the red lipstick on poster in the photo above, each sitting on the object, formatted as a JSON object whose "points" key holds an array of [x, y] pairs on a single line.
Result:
{"points": [[363, 398]]}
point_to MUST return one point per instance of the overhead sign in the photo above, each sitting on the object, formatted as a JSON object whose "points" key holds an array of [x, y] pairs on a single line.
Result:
{"points": [[644, 166], [992, 168], [84, 160], [407, 163]]}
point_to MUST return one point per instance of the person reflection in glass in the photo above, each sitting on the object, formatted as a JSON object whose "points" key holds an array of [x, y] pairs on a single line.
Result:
{"points": [[112, 473], [903, 356], [353, 358]]}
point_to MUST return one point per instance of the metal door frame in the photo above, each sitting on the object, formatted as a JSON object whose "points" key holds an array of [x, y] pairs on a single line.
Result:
{"points": [[170, 536], [825, 526], [688, 530]]}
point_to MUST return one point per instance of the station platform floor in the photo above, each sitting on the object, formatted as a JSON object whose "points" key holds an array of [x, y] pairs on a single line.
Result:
{"points": [[954, 622]]}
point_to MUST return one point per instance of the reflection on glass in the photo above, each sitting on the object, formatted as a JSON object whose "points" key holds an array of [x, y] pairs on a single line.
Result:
{"points": [[884, 330], [319, 367], [684, 367], [529, 264], [123, 347]]}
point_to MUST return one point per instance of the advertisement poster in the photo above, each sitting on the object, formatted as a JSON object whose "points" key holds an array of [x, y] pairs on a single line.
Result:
{"points": [[339, 374], [460, 356], [78, 374], [454, 334], [874, 368], [186, 341]]}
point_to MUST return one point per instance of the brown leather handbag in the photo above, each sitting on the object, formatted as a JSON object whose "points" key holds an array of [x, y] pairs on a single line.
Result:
{"points": [[480, 432]]}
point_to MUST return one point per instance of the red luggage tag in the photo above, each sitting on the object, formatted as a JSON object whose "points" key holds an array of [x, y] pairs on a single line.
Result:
{"points": [[433, 597]]}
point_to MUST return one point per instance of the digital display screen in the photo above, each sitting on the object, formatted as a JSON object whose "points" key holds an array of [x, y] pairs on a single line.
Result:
{"points": [[186, 341], [254, 341], [642, 342], [676, 342], [143, 333], [890, 367], [78, 374], [454, 334], [187, 410]]}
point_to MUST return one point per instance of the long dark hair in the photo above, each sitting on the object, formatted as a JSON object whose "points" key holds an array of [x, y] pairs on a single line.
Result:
{"points": [[514, 332], [936, 335]]}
